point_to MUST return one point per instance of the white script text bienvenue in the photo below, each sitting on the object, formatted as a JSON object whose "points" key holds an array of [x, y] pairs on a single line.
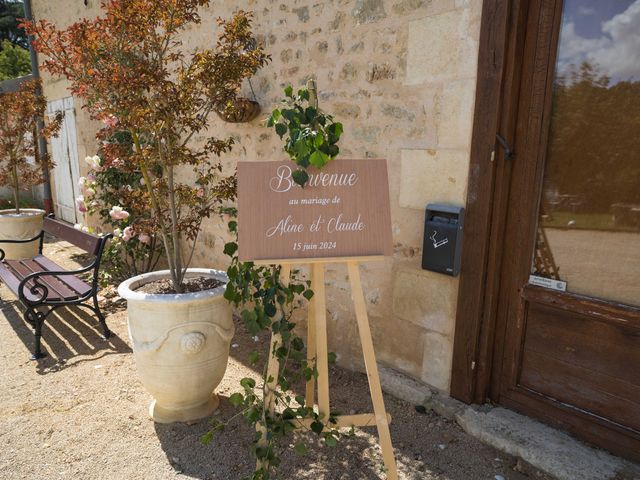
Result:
{"points": [[283, 182]]}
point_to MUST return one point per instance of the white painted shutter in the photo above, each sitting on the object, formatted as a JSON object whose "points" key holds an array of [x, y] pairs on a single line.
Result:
{"points": [[64, 153]]}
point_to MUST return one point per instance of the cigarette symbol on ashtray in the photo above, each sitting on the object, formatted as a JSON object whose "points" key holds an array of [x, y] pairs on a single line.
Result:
{"points": [[438, 243]]}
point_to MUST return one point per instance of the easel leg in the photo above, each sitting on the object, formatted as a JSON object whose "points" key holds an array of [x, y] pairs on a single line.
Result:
{"points": [[320, 311], [372, 371], [310, 394], [272, 372]]}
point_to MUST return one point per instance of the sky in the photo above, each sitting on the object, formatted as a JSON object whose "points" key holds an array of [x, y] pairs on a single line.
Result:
{"points": [[602, 32]]}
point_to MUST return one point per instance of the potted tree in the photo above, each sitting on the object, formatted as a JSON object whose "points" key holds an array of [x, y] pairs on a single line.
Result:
{"points": [[133, 73], [22, 164]]}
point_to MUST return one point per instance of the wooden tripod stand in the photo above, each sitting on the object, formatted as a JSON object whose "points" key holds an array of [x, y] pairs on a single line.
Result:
{"points": [[317, 350]]}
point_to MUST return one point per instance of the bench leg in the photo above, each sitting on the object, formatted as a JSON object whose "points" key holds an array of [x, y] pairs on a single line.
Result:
{"points": [[106, 333], [36, 319]]}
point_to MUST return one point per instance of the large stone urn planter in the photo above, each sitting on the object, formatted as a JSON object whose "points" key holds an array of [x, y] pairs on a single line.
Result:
{"points": [[20, 226], [180, 345]]}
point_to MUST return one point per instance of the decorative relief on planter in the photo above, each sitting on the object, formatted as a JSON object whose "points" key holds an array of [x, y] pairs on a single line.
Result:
{"points": [[343, 211], [192, 343]]}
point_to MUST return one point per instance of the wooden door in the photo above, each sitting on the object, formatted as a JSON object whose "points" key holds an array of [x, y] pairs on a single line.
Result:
{"points": [[64, 153], [567, 224]]}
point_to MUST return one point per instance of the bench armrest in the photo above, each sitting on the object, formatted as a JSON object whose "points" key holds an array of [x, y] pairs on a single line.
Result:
{"points": [[39, 236], [41, 291]]}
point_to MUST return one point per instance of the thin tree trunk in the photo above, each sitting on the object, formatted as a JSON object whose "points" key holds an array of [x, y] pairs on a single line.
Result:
{"points": [[16, 195], [175, 232], [156, 206]]}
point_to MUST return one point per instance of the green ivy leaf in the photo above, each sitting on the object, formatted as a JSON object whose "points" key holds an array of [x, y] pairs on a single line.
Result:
{"points": [[317, 427], [230, 293], [250, 318], [289, 114], [248, 383], [310, 113], [236, 399], [301, 148], [307, 294], [300, 177], [270, 309], [288, 91], [335, 129], [318, 159], [330, 440], [230, 248], [297, 344], [300, 448], [331, 357], [281, 129]]}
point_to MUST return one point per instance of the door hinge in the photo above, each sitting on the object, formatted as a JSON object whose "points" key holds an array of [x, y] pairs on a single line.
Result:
{"points": [[508, 153]]}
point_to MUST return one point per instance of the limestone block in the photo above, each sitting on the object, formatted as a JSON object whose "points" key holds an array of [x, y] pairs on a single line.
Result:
{"points": [[437, 359], [399, 343], [367, 11], [433, 176], [427, 299], [454, 118], [442, 47]]}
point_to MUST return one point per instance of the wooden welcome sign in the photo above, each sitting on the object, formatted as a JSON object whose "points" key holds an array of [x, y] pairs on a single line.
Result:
{"points": [[341, 215], [343, 211]]}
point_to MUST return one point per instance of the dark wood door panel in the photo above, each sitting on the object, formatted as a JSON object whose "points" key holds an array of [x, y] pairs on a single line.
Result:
{"points": [[591, 428], [582, 388], [595, 345]]}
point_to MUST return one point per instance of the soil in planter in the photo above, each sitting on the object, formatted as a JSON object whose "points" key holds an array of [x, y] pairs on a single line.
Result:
{"points": [[190, 285]]}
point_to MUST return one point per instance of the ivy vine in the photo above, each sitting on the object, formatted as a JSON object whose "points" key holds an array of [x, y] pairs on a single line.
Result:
{"points": [[267, 302], [310, 135]]}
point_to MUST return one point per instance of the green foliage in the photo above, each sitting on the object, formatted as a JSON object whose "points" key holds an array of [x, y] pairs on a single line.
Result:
{"points": [[10, 11], [267, 302], [310, 135], [14, 61]]}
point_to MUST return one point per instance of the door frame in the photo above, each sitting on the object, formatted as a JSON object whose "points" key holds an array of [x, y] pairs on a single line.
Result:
{"points": [[501, 32]]}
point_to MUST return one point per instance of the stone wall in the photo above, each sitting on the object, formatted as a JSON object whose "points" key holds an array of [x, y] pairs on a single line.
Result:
{"points": [[400, 75]]}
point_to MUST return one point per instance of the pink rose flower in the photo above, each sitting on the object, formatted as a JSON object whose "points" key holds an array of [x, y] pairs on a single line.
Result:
{"points": [[118, 213], [127, 234], [80, 205], [144, 238]]}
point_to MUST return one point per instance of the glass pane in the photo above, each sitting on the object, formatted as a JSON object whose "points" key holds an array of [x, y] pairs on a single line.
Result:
{"points": [[589, 228]]}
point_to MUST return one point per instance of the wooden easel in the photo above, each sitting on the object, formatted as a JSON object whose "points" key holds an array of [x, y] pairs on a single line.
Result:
{"points": [[317, 350]]}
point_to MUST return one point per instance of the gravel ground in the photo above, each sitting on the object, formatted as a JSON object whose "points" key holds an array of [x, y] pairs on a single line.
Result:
{"points": [[81, 413]]}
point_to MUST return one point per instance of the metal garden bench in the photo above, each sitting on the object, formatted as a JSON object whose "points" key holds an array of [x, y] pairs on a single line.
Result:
{"points": [[43, 286]]}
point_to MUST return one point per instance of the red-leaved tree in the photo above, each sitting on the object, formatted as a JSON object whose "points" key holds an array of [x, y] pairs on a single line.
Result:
{"points": [[22, 164], [133, 73]]}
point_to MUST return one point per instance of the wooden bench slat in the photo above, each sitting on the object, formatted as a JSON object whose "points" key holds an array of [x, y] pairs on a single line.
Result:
{"points": [[11, 281], [74, 282], [65, 231], [22, 271], [51, 281]]}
